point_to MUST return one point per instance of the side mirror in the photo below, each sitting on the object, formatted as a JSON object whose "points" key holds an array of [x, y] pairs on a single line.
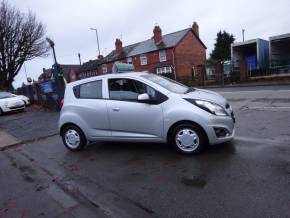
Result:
{"points": [[144, 97]]}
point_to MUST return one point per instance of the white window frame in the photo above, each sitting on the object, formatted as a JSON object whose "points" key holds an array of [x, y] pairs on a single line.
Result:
{"points": [[164, 70], [143, 59], [104, 68], [162, 56], [130, 60]]}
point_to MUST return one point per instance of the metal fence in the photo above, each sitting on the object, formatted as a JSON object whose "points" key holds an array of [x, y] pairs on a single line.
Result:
{"points": [[38, 95], [235, 73]]}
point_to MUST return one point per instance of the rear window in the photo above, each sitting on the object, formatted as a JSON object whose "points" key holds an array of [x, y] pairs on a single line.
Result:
{"points": [[91, 90]]}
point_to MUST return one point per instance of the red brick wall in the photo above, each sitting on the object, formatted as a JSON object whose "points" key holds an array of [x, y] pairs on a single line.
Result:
{"points": [[152, 62], [188, 53]]}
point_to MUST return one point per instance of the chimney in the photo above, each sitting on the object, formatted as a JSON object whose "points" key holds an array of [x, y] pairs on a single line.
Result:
{"points": [[118, 45], [195, 28], [157, 34]]}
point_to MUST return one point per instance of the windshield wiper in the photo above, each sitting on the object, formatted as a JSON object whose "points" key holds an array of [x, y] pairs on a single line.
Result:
{"points": [[190, 89]]}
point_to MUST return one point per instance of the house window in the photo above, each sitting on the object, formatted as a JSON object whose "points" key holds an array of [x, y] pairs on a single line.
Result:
{"points": [[129, 60], [162, 56], [143, 59], [104, 68], [164, 70]]}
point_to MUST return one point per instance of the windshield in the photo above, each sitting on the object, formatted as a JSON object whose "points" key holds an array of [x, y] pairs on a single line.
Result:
{"points": [[167, 83], [6, 95]]}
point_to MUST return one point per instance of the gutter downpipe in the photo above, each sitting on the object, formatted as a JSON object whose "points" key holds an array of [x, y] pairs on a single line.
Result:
{"points": [[173, 56]]}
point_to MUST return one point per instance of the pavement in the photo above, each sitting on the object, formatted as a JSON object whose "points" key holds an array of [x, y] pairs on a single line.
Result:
{"points": [[7, 140], [33, 124], [248, 177]]}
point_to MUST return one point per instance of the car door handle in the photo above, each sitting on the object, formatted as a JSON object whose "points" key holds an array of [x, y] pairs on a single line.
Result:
{"points": [[116, 109]]}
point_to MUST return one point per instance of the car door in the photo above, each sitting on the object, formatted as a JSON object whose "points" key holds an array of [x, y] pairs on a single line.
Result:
{"points": [[130, 118], [92, 108]]}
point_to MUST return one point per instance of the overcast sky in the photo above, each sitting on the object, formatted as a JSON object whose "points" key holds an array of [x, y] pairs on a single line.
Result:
{"points": [[68, 22]]}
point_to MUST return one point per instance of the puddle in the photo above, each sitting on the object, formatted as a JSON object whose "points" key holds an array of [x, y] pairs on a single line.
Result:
{"points": [[194, 181]]}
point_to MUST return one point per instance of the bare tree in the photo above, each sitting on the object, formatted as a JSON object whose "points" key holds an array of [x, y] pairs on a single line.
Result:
{"points": [[21, 39]]}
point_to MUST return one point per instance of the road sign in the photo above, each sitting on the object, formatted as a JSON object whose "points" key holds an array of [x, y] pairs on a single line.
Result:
{"points": [[46, 87]]}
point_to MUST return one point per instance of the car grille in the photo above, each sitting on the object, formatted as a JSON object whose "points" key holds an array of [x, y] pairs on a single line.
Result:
{"points": [[16, 107]]}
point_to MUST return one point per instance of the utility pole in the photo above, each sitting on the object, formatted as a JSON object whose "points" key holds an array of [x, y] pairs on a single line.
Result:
{"points": [[80, 58], [243, 32], [94, 29], [222, 66]]}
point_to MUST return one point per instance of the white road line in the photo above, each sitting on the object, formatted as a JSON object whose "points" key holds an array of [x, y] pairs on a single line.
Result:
{"points": [[269, 107], [258, 91], [261, 140]]}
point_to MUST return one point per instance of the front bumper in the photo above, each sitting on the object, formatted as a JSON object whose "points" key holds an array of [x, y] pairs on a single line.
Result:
{"points": [[217, 122], [13, 108]]}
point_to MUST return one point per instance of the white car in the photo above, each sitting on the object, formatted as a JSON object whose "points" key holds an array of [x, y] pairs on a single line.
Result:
{"points": [[143, 107], [10, 102], [25, 99]]}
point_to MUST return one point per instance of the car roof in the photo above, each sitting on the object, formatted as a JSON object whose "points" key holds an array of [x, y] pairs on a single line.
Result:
{"points": [[111, 75]]}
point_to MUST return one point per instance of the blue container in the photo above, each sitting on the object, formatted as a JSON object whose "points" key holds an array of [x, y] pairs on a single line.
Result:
{"points": [[251, 62]]}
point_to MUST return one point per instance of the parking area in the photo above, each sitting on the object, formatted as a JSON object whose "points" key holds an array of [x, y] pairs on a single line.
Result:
{"points": [[248, 177]]}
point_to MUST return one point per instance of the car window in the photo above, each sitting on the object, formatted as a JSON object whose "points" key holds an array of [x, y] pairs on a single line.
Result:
{"points": [[90, 90], [6, 95], [128, 89]]}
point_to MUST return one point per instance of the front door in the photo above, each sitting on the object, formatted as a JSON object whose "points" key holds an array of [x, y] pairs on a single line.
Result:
{"points": [[130, 118]]}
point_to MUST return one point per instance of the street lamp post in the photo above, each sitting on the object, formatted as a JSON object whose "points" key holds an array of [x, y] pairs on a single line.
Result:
{"points": [[94, 29], [243, 32], [56, 72]]}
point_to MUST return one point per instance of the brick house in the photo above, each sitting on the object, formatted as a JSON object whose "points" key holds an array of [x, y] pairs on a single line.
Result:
{"points": [[181, 54], [69, 73], [88, 69]]}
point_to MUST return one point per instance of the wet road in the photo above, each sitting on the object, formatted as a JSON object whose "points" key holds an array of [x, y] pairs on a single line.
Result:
{"points": [[249, 177]]}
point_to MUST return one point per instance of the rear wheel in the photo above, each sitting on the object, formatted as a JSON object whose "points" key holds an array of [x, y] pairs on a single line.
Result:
{"points": [[188, 139], [1, 112], [73, 138]]}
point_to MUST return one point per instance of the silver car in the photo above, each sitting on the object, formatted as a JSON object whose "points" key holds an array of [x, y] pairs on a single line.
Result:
{"points": [[143, 107]]}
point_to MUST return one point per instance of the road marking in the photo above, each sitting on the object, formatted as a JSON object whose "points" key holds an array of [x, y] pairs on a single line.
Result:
{"points": [[269, 107], [257, 91], [261, 140]]}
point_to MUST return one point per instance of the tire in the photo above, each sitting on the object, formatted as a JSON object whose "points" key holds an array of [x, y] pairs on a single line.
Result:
{"points": [[188, 139], [73, 138], [1, 112]]}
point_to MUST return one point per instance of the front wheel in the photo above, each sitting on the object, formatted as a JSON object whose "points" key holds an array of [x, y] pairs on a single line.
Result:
{"points": [[188, 139], [73, 138]]}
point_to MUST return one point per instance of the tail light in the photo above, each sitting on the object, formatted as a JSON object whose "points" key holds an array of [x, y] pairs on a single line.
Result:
{"points": [[61, 102]]}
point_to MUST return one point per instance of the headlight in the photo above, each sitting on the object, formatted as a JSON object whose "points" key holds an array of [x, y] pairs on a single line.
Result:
{"points": [[209, 107]]}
